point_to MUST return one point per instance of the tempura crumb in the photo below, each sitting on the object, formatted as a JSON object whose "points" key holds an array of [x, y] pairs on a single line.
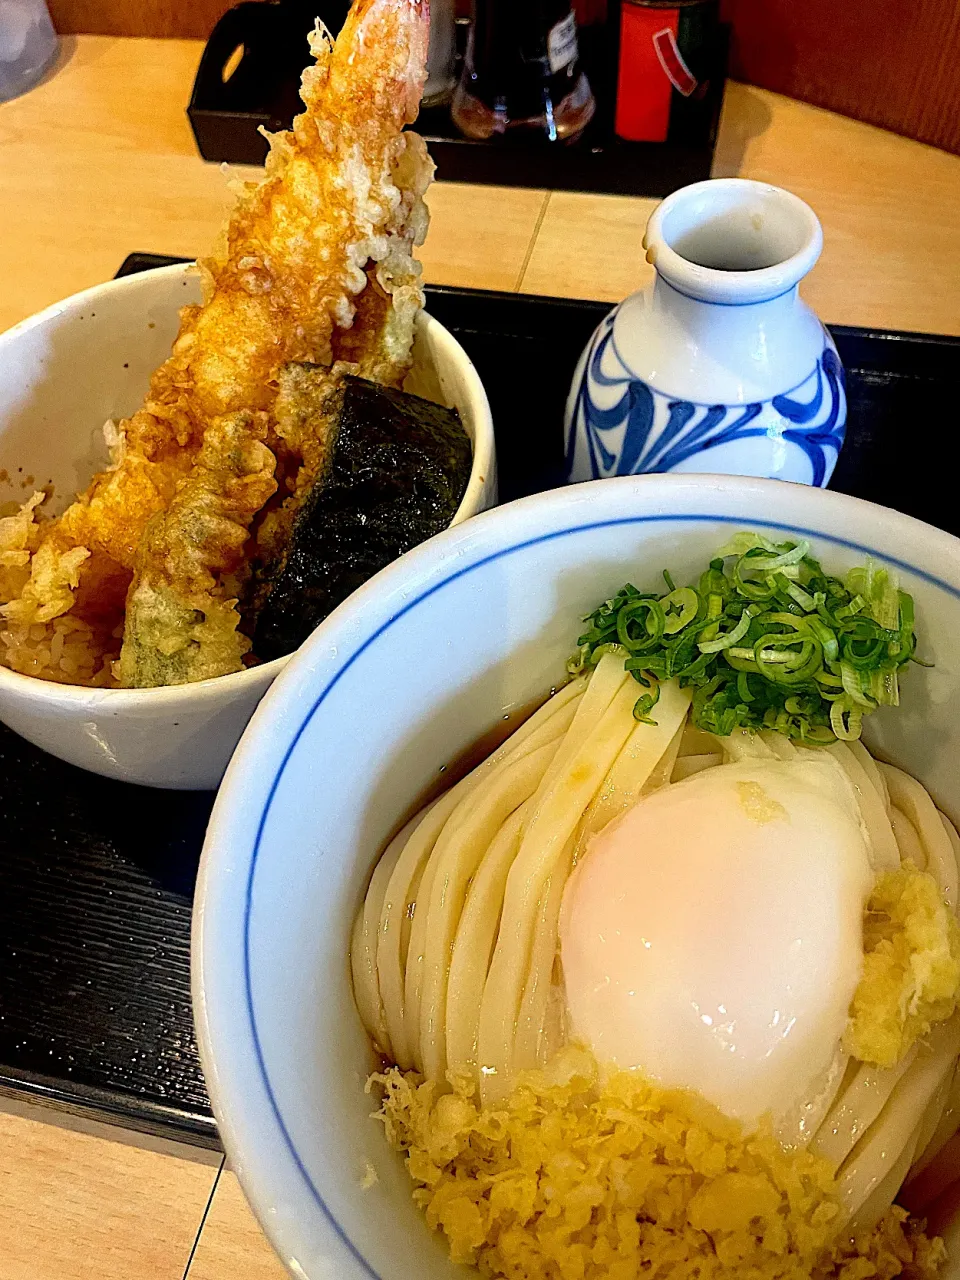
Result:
{"points": [[572, 1179], [370, 1177], [911, 968]]}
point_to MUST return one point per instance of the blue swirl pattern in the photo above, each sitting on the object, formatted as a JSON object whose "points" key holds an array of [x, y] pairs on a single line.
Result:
{"points": [[621, 426]]}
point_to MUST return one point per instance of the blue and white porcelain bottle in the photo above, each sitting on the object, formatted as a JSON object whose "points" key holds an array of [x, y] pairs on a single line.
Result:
{"points": [[718, 366]]}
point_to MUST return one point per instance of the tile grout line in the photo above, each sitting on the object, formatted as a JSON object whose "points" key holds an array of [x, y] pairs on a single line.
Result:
{"points": [[203, 1220], [533, 240]]}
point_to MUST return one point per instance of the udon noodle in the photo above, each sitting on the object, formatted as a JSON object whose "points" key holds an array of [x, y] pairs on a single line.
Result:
{"points": [[455, 950]]}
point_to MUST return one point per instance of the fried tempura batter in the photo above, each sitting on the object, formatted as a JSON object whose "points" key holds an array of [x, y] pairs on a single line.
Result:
{"points": [[315, 266], [184, 627]]}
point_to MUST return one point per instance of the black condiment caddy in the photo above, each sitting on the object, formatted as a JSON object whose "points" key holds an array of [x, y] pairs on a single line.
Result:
{"points": [[227, 110]]}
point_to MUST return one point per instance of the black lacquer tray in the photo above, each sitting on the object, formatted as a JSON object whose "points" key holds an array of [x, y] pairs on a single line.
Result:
{"points": [[96, 877]]}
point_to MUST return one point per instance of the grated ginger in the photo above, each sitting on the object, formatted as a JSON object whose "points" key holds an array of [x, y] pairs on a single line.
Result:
{"points": [[911, 967], [573, 1180]]}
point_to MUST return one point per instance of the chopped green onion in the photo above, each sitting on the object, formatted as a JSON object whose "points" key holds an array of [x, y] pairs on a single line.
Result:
{"points": [[680, 608], [750, 588], [766, 639], [853, 686], [729, 638], [788, 667], [797, 593], [602, 650], [796, 552], [640, 625], [645, 704], [845, 720]]}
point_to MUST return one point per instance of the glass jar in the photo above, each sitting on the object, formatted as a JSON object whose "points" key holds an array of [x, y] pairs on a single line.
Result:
{"points": [[441, 55], [522, 72]]}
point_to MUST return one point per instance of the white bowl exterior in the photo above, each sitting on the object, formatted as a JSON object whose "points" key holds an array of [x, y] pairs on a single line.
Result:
{"points": [[63, 373], [399, 680], [180, 740]]}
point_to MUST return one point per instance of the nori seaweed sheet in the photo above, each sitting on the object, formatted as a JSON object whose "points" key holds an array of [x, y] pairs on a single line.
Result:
{"points": [[398, 472]]}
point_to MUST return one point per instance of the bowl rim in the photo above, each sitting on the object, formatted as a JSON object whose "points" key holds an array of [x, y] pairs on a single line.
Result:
{"points": [[482, 466], [237, 824]]}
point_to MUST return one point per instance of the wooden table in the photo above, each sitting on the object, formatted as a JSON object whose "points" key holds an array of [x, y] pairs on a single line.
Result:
{"points": [[98, 161]]}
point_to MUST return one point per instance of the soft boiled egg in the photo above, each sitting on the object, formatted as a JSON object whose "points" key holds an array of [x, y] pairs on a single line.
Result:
{"points": [[711, 937]]}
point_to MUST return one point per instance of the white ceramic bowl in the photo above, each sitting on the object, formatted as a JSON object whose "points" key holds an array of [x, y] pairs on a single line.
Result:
{"points": [[399, 680], [63, 373]]}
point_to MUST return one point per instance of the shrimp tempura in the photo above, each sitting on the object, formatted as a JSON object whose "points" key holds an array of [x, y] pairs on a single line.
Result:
{"points": [[316, 265]]}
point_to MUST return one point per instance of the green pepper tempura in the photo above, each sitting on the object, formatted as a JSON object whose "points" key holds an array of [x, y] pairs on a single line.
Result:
{"points": [[767, 640]]}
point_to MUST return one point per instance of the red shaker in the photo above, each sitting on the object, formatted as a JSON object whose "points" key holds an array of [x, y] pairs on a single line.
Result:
{"points": [[665, 52]]}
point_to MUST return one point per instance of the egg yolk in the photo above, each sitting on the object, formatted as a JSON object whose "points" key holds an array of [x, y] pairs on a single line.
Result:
{"points": [[712, 935]]}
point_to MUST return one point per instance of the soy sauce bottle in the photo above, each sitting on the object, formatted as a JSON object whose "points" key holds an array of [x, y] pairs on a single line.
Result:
{"points": [[522, 72]]}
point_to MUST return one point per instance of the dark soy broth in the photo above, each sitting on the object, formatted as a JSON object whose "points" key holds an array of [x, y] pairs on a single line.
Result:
{"points": [[467, 760]]}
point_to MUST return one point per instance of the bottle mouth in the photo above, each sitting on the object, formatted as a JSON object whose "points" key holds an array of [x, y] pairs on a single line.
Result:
{"points": [[733, 241]]}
